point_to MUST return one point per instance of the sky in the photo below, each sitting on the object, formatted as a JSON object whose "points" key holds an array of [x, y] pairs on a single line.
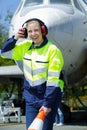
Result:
{"points": [[6, 5]]}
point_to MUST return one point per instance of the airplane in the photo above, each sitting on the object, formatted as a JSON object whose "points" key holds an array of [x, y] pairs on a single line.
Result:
{"points": [[67, 28]]}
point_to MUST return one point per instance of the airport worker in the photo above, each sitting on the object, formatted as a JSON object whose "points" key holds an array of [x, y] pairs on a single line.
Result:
{"points": [[59, 119], [42, 64]]}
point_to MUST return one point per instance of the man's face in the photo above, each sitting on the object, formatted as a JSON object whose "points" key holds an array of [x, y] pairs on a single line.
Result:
{"points": [[34, 32]]}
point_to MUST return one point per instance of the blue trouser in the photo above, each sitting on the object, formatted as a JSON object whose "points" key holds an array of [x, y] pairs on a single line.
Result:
{"points": [[59, 116], [31, 113]]}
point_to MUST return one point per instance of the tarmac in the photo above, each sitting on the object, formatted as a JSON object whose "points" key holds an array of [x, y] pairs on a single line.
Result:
{"points": [[78, 122], [65, 127]]}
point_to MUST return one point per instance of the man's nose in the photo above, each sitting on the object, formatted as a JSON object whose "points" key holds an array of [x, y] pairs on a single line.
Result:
{"points": [[33, 32]]}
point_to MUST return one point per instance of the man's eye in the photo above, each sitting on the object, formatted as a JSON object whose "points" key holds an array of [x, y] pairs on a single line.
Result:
{"points": [[29, 31]]}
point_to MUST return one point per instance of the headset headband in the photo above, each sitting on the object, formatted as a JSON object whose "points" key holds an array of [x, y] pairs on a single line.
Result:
{"points": [[34, 19]]}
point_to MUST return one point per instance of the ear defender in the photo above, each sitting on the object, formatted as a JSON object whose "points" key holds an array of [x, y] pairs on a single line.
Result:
{"points": [[25, 33], [43, 27], [44, 30]]}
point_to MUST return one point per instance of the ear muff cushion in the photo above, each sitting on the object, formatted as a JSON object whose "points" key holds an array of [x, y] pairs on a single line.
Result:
{"points": [[44, 31], [25, 33]]}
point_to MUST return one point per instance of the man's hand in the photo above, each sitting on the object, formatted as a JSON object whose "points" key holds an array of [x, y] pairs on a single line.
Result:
{"points": [[45, 109], [20, 34]]}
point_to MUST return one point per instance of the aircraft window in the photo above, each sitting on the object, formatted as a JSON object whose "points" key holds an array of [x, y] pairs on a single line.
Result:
{"points": [[60, 1], [32, 2], [85, 1], [79, 6]]}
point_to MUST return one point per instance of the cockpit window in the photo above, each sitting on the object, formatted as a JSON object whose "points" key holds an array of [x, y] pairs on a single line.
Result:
{"points": [[32, 2], [81, 5], [35, 2], [85, 1], [60, 1]]}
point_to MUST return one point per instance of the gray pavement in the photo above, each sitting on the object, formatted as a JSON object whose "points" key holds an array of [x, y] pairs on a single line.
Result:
{"points": [[65, 127], [77, 123]]}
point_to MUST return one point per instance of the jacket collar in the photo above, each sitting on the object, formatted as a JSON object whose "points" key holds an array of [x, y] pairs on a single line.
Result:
{"points": [[41, 45]]}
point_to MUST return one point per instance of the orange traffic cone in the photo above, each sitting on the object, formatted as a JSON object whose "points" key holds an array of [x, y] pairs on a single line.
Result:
{"points": [[37, 123]]}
